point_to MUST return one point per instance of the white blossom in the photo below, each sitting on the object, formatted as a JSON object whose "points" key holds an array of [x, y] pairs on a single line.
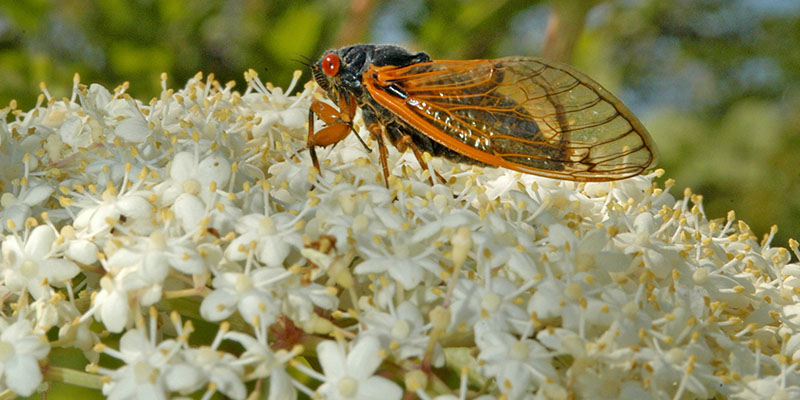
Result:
{"points": [[403, 331], [146, 365], [21, 349], [249, 293], [520, 366], [349, 374], [202, 203], [33, 264]]}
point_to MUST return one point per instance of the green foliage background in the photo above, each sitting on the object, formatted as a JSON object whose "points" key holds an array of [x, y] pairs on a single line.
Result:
{"points": [[716, 82]]}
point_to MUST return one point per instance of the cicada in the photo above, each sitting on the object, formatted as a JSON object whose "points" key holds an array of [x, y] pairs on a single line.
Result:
{"points": [[522, 113]]}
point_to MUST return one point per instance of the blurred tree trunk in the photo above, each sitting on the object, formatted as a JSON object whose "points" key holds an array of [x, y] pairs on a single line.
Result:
{"points": [[564, 27], [356, 23]]}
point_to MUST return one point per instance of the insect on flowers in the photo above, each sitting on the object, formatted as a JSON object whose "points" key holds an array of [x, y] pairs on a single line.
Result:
{"points": [[522, 113]]}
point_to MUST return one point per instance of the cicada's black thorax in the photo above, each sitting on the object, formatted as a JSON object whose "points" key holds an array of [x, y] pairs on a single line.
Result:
{"points": [[355, 60]]}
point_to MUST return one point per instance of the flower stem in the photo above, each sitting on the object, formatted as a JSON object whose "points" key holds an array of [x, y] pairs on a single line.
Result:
{"points": [[73, 377]]}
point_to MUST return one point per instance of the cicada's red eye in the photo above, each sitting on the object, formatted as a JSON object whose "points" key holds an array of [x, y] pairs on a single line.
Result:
{"points": [[330, 64]]}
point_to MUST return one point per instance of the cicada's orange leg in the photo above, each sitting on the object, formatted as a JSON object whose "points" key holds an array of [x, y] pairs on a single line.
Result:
{"points": [[376, 131], [338, 124], [335, 130], [407, 141]]}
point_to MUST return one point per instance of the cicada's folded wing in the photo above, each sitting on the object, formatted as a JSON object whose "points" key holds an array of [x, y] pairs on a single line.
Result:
{"points": [[521, 113]]}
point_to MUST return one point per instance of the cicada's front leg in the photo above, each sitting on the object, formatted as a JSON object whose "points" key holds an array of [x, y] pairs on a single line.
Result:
{"points": [[338, 124]]}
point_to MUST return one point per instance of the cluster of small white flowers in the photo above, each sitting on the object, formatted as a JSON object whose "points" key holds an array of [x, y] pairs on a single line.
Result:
{"points": [[123, 221]]}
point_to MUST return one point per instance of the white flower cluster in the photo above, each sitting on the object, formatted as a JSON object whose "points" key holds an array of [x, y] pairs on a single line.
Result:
{"points": [[125, 224]]}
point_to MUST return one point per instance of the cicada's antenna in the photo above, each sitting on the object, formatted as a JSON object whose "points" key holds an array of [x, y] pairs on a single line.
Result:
{"points": [[307, 62]]}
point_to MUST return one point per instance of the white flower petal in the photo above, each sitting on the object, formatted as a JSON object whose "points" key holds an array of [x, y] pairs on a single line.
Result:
{"points": [[151, 294], [214, 169], [218, 305], [182, 166], [522, 264], [378, 387], [186, 260], [280, 386], [72, 133], [294, 118], [23, 375], [189, 211], [134, 341], [101, 216], [644, 223], [17, 213], [183, 378], [332, 358], [133, 129], [40, 242], [407, 273], [258, 304], [229, 383], [237, 249], [560, 235], [32, 345], [373, 265], [58, 271], [134, 207], [36, 194], [154, 266], [82, 251], [97, 97], [272, 250], [364, 359], [114, 312]]}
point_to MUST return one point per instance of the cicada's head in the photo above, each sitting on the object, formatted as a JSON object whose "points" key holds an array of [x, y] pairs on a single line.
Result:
{"points": [[340, 70]]}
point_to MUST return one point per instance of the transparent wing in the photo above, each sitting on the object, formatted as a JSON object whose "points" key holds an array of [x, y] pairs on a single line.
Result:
{"points": [[521, 113]]}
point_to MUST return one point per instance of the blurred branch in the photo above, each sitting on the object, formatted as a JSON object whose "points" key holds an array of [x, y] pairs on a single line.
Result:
{"points": [[356, 22], [564, 27]]}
